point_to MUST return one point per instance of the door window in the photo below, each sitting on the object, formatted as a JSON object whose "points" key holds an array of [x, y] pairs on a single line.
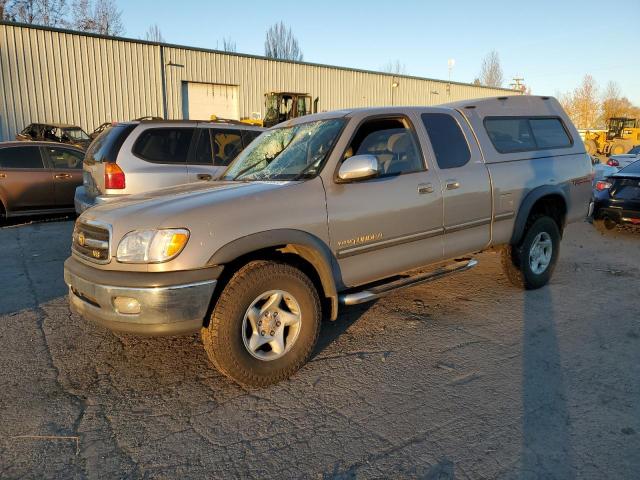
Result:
{"points": [[21, 157], [62, 158], [227, 144], [392, 141], [204, 152], [449, 143], [164, 145]]}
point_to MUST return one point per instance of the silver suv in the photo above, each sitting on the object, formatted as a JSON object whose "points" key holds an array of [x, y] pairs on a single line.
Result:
{"points": [[139, 156], [331, 210]]}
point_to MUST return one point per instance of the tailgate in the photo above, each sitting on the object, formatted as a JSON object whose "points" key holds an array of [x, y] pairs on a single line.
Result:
{"points": [[104, 149]]}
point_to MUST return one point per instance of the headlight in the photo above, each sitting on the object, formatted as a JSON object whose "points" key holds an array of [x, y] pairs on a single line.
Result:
{"points": [[152, 246]]}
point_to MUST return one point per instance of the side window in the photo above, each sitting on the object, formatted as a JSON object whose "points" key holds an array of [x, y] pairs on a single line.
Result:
{"points": [[204, 152], [449, 143], [227, 144], [249, 136], [519, 134], [164, 145], [392, 141], [549, 133], [20, 157], [64, 158], [510, 134]]}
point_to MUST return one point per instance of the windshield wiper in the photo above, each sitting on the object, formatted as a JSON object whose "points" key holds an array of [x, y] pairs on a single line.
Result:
{"points": [[304, 171], [246, 169]]}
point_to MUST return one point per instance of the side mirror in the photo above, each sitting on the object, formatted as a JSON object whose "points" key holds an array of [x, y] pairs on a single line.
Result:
{"points": [[359, 167]]}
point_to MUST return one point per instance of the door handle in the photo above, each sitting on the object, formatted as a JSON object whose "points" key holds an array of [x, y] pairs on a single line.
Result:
{"points": [[425, 188], [204, 176], [3, 175], [452, 184], [63, 175]]}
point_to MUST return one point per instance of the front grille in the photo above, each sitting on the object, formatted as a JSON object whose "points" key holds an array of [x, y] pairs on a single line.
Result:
{"points": [[91, 241]]}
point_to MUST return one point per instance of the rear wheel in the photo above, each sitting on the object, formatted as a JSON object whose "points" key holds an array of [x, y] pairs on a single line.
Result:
{"points": [[530, 264], [265, 324]]}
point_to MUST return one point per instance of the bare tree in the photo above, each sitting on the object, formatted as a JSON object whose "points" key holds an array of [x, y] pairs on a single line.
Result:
{"points": [[395, 67], [616, 105], [51, 13], [97, 16], [228, 45], [281, 44], [491, 71], [154, 34], [4, 10]]}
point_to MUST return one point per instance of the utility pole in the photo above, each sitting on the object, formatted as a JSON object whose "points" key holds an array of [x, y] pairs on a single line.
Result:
{"points": [[518, 84]]}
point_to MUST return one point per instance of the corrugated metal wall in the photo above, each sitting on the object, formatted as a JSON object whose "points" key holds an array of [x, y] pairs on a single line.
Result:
{"points": [[55, 75]]}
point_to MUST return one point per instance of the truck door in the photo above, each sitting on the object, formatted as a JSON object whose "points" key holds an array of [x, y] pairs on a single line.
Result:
{"points": [[391, 223], [465, 183]]}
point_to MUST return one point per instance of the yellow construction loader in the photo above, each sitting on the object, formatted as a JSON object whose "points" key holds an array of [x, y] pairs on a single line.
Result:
{"points": [[621, 135], [282, 106]]}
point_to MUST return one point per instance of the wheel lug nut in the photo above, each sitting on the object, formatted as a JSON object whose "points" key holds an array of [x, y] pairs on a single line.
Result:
{"points": [[278, 323], [275, 314], [272, 333], [262, 333]]}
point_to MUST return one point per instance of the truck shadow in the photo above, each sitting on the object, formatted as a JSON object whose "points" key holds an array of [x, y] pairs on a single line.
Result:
{"points": [[546, 437], [332, 330]]}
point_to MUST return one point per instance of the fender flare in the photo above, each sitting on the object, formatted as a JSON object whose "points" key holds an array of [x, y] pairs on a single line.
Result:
{"points": [[307, 246], [527, 204]]}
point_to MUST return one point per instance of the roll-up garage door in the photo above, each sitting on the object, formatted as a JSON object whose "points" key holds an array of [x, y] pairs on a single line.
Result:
{"points": [[201, 100]]}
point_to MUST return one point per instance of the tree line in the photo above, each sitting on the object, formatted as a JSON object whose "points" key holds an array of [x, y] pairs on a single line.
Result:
{"points": [[590, 108], [93, 16]]}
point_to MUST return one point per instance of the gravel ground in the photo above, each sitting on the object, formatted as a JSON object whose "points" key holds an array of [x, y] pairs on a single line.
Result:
{"points": [[464, 378]]}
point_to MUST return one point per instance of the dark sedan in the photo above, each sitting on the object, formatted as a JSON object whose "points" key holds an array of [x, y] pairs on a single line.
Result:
{"points": [[38, 178], [616, 199]]}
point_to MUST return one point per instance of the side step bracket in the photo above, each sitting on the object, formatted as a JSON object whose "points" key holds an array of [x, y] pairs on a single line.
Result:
{"points": [[373, 293]]}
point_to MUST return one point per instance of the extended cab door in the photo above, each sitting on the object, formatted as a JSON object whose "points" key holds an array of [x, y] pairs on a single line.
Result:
{"points": [[25, 182], [465, 182], [215, 149], [390, 224], [66, 171]]}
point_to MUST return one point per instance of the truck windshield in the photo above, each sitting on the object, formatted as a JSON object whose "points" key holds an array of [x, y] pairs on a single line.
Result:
{"points": [[286, 153], [76, 134]]}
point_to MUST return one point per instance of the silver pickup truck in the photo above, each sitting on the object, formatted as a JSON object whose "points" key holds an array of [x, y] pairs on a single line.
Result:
{"points": [[331, 210]]}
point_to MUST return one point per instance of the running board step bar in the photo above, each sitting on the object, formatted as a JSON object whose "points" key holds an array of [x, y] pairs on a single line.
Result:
{"points": [[378, 291]]}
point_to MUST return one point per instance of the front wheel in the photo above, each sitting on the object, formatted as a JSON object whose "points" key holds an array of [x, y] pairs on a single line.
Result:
{"points": [[265, 324], [531, 264]]}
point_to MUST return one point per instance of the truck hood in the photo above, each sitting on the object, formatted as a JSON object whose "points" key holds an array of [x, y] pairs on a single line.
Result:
{"points": [[151, 209]]}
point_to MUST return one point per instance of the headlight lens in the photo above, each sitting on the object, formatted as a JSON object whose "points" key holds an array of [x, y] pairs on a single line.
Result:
{"points": [[152, 246]]}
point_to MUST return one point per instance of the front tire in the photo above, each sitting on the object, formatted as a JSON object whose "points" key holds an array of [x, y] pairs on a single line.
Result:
{"points": [[531, 264], [264, 325]]}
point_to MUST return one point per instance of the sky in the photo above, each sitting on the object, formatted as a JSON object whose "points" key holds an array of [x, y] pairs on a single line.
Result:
{"points": [[551, 44]]}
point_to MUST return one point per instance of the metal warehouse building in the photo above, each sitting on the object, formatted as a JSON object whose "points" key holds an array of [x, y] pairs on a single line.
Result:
{"points": [[83, 79]]}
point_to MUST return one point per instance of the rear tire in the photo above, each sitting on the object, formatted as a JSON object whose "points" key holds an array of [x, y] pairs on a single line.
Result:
{"points": [[618, 148], [530, 264], [243, 327]]}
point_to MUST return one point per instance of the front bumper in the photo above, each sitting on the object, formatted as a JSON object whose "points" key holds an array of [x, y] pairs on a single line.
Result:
{"points": [[82, 201], [165, 309]]}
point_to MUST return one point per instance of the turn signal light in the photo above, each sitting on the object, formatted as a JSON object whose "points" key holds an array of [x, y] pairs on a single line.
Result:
{"points": [[602, 185], [113, 177]]}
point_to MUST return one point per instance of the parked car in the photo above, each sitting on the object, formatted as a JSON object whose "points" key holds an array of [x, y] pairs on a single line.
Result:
{"points": [[38, 178], [622, 160], [332, 209], [142, 155], [55, 132], [616, 199]]}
